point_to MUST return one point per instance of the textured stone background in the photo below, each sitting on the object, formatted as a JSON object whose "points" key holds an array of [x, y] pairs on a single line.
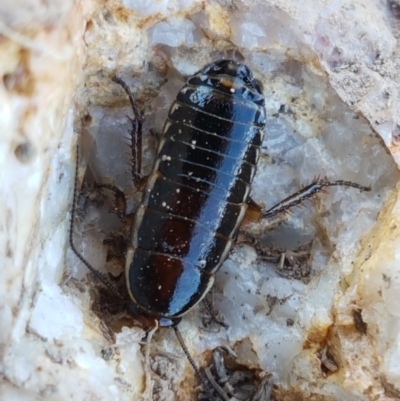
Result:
{"points": [[339, 60]]}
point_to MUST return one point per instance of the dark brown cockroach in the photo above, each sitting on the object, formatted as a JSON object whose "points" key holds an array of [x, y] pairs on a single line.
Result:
{"points": [[197, 193]]}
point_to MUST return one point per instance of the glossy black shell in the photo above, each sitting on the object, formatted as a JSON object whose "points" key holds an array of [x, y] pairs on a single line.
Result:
{"points": [[195, 197]]}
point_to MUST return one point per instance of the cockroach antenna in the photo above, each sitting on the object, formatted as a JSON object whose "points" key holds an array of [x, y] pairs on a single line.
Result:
{"points": [[194, 366]]}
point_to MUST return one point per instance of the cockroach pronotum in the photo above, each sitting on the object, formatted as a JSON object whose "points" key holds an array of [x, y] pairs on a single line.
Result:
{"points": [[197, 193]]}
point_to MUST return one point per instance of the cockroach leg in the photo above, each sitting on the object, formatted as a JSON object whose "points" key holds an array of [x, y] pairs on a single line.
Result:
{"points": [[307, 192]]}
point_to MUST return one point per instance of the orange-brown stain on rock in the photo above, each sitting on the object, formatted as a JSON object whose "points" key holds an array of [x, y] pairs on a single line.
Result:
{"points": [[20, 80], [121, 13], [317, 335]]}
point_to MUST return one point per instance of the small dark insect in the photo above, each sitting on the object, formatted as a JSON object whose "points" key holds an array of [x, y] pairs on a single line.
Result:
{"points": [[197, 193]]}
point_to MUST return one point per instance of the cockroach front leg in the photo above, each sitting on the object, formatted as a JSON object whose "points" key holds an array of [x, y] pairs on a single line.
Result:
{"points": [[136, 137]]}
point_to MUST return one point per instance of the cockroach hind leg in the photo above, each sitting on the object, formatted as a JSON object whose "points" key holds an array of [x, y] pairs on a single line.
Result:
{"points": [[251, 232], [118, 240], [253, 212], [308, 192], [110, 286], [254, 225]]}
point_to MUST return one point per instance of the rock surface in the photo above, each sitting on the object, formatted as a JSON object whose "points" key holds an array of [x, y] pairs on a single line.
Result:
{"points": [[330, 73]]}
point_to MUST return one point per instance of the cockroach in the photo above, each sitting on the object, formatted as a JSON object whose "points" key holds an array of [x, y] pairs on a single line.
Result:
{"points": [[197, 193]]}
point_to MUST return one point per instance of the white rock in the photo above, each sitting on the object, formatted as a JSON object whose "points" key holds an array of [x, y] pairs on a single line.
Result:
{"points": [[330, 72]]}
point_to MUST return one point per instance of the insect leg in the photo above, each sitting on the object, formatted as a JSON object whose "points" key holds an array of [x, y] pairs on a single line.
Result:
{"points": [[120, 200], [309, 191], [194, 366], [97, 274], [135, 134], [213, 314]]}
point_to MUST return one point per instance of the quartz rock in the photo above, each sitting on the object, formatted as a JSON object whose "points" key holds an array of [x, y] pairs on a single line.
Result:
{"points": [[330, 74]]}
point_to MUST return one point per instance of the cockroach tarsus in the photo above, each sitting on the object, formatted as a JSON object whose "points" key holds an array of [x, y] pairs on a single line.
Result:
{"points": [[196, 195]]}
